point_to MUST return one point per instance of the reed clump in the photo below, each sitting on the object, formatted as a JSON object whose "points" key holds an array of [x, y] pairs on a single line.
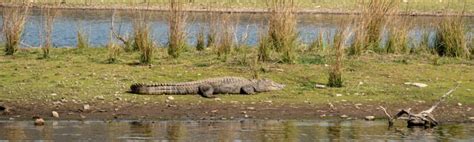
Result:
{"points": [[142, 39], [335, 72], [282, 28], [370, 24], [49, 14], [112, 48], [82, 39], [225, 41], [200, 42], [397, 39], [14, 19], [177, 33], [264, 48], [318, 43], [450, 38]]}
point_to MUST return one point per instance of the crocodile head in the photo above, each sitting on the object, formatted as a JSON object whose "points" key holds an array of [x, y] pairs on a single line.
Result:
{"points": [[267, 85]]}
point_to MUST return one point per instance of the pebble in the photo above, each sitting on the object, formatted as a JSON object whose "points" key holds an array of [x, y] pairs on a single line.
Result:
{"points": [[170, 98], [99, 97], [320, 86], [344, 116], [250, 108], [419, 85], [471, 118], [459, 104], [55, 114], [39, 121], [370, 118], [217, 99], [87, 107], [54, 94], [338, 95]]}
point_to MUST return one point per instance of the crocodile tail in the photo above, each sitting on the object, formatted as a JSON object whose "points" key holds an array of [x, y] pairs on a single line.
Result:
{"points": [[135, 88]]}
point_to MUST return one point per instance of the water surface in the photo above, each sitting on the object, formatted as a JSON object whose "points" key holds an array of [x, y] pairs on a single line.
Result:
{"points": [[248, 130], [97, 24]]}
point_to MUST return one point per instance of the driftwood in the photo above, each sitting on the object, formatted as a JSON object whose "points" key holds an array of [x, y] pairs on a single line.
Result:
{"points": [[424, 118]]}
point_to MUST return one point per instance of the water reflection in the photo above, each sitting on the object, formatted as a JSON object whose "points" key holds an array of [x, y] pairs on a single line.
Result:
{"points": [[228, 131]]}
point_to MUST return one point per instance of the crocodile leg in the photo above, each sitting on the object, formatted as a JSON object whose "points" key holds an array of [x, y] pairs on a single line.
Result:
{"points": [[206, 91], [247, 90]]}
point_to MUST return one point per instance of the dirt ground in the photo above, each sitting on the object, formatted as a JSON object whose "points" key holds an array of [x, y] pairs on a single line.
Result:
{"points": [[221, 111]]}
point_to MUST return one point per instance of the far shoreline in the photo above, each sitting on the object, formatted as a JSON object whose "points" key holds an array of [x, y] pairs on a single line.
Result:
{"points": [[203, 9]]}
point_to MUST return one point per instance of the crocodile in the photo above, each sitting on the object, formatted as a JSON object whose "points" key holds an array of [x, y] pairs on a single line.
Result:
{"points": [[209, 87]]}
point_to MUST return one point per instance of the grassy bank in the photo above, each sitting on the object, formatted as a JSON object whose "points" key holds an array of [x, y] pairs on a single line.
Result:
{"points": [[83, 75], [409, 5]]}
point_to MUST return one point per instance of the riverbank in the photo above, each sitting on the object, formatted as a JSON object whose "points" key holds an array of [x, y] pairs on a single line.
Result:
{"points": [[251, 9], [75, 78]]}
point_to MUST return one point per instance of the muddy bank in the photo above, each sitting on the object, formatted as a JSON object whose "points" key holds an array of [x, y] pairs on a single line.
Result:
{"points": [[233, 10], [223, 111]]}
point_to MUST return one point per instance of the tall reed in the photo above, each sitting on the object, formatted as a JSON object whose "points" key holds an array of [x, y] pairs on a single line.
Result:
{"points": [[14, 19], [49, 14], [200, 42], [177, 33], [113, 49], [451, 39], [370, 24], [82, 39], [225, 41], [213, 20], [398, 37], [143, 41], [335, 73], [264, 48], [282, 28], [318, 42]]}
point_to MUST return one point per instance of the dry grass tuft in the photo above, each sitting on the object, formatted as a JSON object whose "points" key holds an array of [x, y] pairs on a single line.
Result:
{"points": [[143, 41], [49, 14], [177, 27], [282, 28], [14, 19], [370, 24], [451, 38]]}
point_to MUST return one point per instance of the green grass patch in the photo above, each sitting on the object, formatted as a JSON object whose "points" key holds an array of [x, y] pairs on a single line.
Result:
{"points": [[82, 74]]}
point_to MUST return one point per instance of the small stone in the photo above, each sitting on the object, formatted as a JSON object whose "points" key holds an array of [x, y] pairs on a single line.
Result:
{"points": [[38, 121], [55, 114], [269, 101], [250, 108], [87, 107], [54, 94], [419, 85], [214, 111], [217, 99], [170, 98], [370, 118], [246, 116], [99, 97], [344, 116], [320, 86], [471, 118], [459, 104], [338, 95]]}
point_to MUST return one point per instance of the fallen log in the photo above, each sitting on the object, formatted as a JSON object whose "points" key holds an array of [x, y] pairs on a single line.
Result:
{"points": [[424, 118]]}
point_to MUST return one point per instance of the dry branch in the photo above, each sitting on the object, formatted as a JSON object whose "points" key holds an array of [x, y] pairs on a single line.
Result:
{"points": [[424, 118]]}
